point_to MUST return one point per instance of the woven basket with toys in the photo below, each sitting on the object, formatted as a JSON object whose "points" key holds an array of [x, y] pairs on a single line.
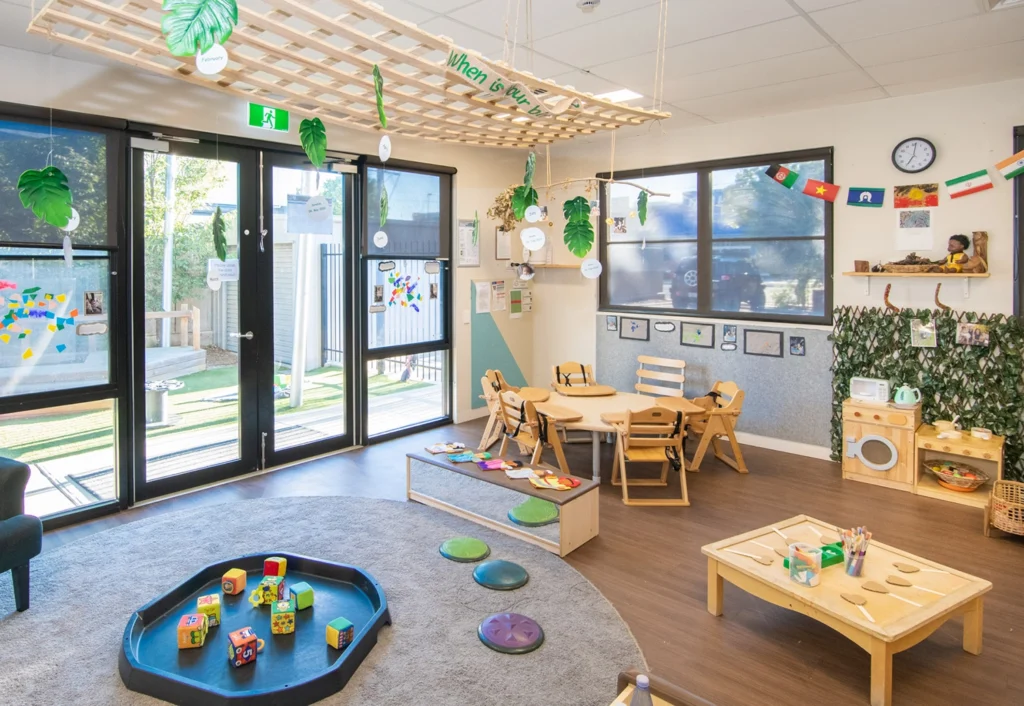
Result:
{"points": [[956, 475]]}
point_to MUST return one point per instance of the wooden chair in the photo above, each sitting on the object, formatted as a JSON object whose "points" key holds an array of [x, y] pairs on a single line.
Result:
{"points": [[649, 381], [572, 375], [493, 383], [652, 435], [532, 431], [723, 404]]}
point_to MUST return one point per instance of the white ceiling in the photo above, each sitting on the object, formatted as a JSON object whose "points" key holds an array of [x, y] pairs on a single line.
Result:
{"points": [[725, 59]]}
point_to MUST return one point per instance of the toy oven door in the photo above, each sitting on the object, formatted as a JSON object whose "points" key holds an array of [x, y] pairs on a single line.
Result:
{"points": [[875, 452]]}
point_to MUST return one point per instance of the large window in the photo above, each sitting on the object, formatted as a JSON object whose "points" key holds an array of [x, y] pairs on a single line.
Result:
{"points": [[725, 240]]}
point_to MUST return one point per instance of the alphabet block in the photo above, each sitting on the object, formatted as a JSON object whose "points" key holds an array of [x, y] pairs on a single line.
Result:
{"points": [[210, 607], [192, 629], [275, 566], [243, 646], [339, 633], [233, 582], [302, 594], [282, 617], [270, 589]]}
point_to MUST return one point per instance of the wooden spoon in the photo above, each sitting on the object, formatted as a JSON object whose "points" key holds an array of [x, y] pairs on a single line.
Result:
{"points": [[779, 532], [858, 601], [876, 587], [905, 568], [821, 537], [900, 581], [780, 552], [759, 559]]}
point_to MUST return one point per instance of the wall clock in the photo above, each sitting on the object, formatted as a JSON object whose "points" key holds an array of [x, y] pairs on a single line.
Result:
{"points": [[913, 155]]}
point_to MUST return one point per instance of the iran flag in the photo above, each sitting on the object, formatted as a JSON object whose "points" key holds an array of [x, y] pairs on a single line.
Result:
{"points": [[969, 184]]}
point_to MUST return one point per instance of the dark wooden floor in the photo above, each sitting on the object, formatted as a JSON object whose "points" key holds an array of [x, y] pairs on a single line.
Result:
{"points": [[647, 562]]}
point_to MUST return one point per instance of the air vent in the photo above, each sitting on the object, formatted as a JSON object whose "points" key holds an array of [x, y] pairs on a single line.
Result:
{"points": [[587, 5]]}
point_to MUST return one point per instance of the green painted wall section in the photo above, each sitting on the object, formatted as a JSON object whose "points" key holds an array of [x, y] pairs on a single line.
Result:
{"points": [[488, 351]]}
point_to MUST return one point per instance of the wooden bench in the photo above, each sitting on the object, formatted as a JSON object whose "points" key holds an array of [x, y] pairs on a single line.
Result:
{"points": [[577, 508]]}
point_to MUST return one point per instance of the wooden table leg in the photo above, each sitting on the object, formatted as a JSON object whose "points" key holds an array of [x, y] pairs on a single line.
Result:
{"points": [[714, 588], [596, 440], [972, 627], [881, 673]]}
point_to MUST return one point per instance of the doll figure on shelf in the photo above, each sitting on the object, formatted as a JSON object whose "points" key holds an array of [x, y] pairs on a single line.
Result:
{"points": [[957, 257]]}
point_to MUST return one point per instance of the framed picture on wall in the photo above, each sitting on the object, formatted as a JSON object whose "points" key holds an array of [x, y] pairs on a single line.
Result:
{"points": [[611, 323], [697, 335], [729, 333], [797, 345], [502, 244], [635, 329], [766, 343]]}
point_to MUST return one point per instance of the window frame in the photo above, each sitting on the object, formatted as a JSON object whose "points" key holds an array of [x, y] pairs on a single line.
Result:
{"points": [[704, 241], [1018, 207]]}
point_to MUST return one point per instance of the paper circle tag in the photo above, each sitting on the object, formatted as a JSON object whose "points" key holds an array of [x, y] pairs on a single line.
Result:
{"points": [[380, 239], [384, 148], [213, 281], [533, 214], [533, 238], [318, 208], [213, 61], [591, 268], [73, 221]]}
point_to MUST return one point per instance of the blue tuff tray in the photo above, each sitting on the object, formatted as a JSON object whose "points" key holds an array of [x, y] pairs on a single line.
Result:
{"points": [[298, 668]]}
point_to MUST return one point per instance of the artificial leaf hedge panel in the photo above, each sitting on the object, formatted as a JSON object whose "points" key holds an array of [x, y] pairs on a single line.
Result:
{"points": [[982, 384]]}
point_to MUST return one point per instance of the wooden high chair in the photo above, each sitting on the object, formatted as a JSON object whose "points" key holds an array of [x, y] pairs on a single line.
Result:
{"points": [[493, 383], [652, 435], [532, 431], [723, 404], [651, 381], [577, 380]]}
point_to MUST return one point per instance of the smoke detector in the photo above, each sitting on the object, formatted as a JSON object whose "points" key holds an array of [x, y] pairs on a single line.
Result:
{"points": [[587, 5]]}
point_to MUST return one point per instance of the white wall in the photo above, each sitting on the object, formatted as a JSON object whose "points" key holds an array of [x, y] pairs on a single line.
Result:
{"points": [[972, 129], [118, 91]]}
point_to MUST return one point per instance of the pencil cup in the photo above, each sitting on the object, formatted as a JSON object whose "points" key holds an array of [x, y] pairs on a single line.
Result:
{"points": [[805, 564], [854, 559]]}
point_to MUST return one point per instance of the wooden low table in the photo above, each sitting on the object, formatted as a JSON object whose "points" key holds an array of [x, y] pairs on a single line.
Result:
{"points": [[898, 625], [577, 508]]}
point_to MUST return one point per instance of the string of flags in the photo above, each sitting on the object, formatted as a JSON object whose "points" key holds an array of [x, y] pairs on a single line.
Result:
{"points": [[904, 196]]}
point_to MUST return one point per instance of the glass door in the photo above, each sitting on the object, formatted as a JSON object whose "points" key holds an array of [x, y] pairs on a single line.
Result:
{"points": [[195, 245], [305, 357]]}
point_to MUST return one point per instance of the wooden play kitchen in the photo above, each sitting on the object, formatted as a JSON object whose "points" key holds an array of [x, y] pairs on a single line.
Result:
{"points": [[897, 601], [887, 445]]}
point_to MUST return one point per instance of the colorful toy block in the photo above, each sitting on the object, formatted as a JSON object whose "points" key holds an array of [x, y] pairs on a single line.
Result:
{"points": [[339, 633], [210, 607], [275, 566], [233, 582], [282, 617], [192, 629], [243, 646], [270, 589], [302, 594]]}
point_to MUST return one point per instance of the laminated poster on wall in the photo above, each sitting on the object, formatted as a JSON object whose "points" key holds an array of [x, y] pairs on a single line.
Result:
{"points": [[469, 243], [483, 297], [502, 244], [923, 334], [498, 295], [515, 303], [914, 230]]}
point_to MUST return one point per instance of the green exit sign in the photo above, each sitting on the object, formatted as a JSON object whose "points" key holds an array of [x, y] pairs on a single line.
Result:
{"points": [[268, 118]]}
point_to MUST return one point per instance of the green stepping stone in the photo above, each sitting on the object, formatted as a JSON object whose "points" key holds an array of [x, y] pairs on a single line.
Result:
{"points": [[465, 549], [534, 512], [500, 575]]}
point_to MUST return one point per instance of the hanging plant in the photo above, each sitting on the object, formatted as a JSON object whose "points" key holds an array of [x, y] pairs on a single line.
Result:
{"points": [[531, 165], [220, 241], [501, 210], [383, 205], [378, 89], [579, 231], [313, 136], [641, 207], [47, 194], [202, 23]]}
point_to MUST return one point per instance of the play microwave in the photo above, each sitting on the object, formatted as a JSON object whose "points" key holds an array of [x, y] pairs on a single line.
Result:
{"points": [[869, 390]]}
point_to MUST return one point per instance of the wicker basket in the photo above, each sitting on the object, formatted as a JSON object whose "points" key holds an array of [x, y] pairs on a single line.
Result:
{"points": [[1007, 506], [911, 268], [944, 473]]}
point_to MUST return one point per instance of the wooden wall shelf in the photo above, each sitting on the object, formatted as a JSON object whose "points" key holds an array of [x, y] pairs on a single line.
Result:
{"points": [[916, 274]]}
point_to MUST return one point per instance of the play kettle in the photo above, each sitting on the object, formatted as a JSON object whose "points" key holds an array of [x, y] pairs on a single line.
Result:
{"points": [[906, 396]]}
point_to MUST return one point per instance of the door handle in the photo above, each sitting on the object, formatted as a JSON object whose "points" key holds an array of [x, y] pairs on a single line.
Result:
{"points": [[247, 335]]}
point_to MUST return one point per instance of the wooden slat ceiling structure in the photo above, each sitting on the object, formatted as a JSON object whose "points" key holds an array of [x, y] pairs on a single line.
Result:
{"points": [[315, 58]]}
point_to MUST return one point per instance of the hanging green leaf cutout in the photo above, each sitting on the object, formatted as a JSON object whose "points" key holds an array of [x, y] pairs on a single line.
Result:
{"points": [[313, 136], [47, 194], [383, 205], [641, 207], [189, 23], [220, 241], [579, 231], [378, 89], [531, 164], [522, 198]]}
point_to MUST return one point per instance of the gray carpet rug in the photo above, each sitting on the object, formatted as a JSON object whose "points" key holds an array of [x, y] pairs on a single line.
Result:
{"points": [[64, 649]]}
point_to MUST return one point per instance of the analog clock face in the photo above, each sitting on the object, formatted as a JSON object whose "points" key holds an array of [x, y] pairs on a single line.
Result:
{"points": [[913, 155]]}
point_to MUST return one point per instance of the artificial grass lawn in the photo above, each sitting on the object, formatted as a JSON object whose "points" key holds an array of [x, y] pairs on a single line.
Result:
{"points": [[48, 437]]}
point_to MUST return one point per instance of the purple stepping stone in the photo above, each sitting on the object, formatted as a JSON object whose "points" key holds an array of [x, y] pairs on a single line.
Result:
{"points": [[511, 633]]}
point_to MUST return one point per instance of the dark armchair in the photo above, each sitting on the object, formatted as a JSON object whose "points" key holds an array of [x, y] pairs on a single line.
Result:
{"points": [[21, 535]]}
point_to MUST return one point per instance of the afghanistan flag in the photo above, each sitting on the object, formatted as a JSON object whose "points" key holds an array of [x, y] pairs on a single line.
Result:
{"points": [[969, 184], [1014, 166], [821, 190], [786, 177], [870, 197]]}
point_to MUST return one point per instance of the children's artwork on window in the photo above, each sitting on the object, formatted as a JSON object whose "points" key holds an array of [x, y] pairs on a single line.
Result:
{"points": [[403, 290], [34, 319]]}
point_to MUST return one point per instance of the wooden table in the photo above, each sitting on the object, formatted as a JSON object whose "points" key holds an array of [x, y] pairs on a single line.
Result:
{"points": [[590, 411], [577, 508], [898, 625]]}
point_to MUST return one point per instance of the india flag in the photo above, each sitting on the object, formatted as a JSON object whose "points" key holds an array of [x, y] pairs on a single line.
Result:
{"points": [[1014, 166], [969, 184]]}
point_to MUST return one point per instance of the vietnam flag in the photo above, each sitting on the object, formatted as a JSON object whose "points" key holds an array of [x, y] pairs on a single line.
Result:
{"points": [[821, 190]]}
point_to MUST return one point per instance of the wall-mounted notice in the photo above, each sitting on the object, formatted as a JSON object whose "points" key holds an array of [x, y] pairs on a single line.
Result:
{"points": [[469, 244], [498, 295], [483, 297]]}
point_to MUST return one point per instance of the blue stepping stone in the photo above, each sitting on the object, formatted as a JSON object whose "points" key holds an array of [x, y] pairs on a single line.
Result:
{"points": [[500, 575], [511, 633]]}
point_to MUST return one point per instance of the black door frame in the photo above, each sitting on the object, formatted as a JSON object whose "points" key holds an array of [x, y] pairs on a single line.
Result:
{"points": [[1018, 207], [248, 320]]}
